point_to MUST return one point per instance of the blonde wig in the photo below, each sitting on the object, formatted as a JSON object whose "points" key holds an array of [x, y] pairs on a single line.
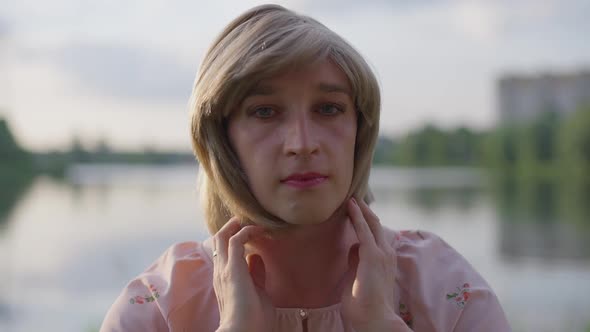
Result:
{"points": [[259, 44]]}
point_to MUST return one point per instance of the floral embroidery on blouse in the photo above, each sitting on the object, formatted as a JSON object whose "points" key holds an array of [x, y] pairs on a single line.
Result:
{"points": [[146, 298], [461, 296], [405, 314]]}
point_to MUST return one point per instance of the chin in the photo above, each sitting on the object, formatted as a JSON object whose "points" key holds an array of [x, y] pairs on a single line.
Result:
{"points": [[308, 216], [306, 219]]}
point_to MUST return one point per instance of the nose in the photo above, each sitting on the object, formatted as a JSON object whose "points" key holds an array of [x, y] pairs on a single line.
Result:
{"points": [[300, 135]]}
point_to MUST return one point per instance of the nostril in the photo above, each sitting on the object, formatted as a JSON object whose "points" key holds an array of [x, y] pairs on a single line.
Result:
{"points": [[300, 137]]}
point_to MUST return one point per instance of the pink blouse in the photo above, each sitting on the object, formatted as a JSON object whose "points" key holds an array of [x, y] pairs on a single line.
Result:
{"points": [[436, 290]]}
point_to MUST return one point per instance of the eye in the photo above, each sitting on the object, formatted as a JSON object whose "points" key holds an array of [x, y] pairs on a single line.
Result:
{"points": [[330, 109], [263, 112]]}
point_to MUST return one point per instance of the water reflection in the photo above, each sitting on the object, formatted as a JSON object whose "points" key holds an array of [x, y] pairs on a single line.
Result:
{"points": [[102, 225], [11, 193], [431, 190], [543, 218], [434, 199], [546, 219]]}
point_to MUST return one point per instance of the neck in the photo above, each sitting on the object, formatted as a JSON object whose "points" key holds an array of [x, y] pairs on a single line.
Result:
{"points": [[311, 259]]}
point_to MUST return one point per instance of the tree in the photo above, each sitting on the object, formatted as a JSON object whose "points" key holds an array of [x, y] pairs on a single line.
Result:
{"points": [[463, 147], [10, 151], [574, 144]]}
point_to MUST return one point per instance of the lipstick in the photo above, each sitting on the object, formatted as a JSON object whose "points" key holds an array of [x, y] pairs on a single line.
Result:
{"points": [[304, 180]]}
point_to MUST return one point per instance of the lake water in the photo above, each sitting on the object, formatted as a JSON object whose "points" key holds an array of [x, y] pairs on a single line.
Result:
{"points": [[68, 246]]}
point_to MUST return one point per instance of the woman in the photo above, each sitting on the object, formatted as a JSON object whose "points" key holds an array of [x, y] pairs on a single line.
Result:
{"points": [[285, 117]]}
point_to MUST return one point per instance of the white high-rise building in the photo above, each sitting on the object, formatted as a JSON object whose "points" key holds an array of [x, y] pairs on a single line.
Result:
{"points": [[524, 97]]}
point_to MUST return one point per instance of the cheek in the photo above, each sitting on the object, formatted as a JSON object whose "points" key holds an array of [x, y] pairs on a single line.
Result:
{"points": [[349, 151], [255, 153], [243, 142]]}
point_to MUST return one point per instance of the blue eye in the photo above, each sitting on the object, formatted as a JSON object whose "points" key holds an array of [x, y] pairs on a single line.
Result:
{"points": [[330, 109], [263, 112]]}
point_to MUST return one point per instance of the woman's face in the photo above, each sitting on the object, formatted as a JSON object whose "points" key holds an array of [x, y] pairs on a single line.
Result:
{"points": [[295, 135]]}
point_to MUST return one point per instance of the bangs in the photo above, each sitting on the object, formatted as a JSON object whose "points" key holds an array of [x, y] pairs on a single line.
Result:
{"points": [[273, 53]]}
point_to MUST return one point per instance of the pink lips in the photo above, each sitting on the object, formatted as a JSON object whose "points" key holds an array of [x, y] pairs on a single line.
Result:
{"points": [[304, 180]]}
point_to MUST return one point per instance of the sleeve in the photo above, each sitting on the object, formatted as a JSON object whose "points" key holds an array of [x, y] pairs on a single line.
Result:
{"points": [[135, 310], [177, 281], [442, 290], [482, 313]]}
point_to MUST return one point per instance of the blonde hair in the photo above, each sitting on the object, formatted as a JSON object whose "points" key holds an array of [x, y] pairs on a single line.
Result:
{"points": [[259, 44]]}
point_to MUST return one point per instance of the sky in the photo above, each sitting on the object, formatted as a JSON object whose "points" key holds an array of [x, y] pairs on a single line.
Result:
{"points": [[122, 71]]}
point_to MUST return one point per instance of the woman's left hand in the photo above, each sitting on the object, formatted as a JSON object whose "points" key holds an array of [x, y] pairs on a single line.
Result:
{"points": [[368, 300]]}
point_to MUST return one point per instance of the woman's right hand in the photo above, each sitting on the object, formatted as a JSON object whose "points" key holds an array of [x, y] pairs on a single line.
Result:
{"points": [[243, 306]]}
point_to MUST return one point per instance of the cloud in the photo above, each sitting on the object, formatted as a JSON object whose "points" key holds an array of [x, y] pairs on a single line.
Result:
{"points": [[127, 72], [481, 21], [4, 28], [353, 5]]}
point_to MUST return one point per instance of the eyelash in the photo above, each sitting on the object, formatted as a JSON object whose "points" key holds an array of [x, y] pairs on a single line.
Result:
{"points": [[254, 111], [338, 109]]}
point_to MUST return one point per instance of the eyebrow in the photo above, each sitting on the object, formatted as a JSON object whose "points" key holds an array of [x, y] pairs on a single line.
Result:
{"points": [[260, 90], [329, 87], [267, 90]]}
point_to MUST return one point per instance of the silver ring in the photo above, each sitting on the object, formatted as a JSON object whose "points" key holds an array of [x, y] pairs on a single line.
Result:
{"points": [[214, 253]]}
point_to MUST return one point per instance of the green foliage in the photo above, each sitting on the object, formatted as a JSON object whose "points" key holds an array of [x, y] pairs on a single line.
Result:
{"points": [[501, 148], [463, 147], [551, 146], [9, 150], [18, 164], [548, 147], [384, 151], [15, 163], [426, 147], [432, 146], [574, 144], [542, 210]]}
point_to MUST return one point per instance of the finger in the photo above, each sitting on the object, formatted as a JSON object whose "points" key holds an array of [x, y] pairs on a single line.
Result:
{"points": [[221, 239], [363, 232], [236, 244], [374, 224], [351, 272], [257, 270], [353, 258]]}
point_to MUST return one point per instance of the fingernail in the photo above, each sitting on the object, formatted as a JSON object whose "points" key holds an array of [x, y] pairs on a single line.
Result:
{"points": [[354, 200]]}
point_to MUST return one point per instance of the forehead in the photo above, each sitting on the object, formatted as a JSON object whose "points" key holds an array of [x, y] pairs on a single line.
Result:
{"points": [[323, 75]]}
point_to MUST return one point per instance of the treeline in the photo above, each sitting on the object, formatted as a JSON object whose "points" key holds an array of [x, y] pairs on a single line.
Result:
{"points": [[103, 153], [431, 146], [549, 145], [16, 162]]}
